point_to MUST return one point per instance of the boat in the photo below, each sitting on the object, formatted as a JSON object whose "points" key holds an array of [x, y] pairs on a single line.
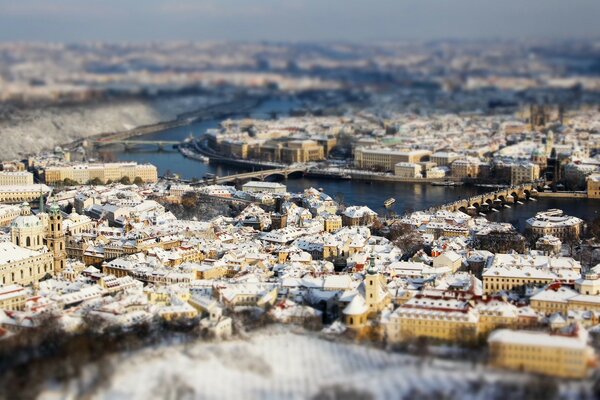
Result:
{"points": [[446, 183], [208, 176], [189, 153], [389, 202]]}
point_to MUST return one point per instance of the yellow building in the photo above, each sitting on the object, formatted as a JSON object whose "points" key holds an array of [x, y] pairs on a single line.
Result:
{"points": [[332, 223], [83, 173], [15, 194], [507, 278], [524, 173], [8, 213], [12, 297], [385, 158], [539, 352], [593, 186], [462, 169], [17, 178], [407, 170], [22, 266]]}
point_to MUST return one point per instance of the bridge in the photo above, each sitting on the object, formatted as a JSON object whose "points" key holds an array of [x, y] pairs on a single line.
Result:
{"points": [[130, 143], [487, 201], [256, 175]]}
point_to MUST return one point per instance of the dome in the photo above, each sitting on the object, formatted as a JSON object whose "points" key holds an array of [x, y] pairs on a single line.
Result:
{"points": [[26, 221]]}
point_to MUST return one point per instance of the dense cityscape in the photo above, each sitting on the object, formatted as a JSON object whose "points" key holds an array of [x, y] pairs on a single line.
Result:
{"points": [[324, 220]]}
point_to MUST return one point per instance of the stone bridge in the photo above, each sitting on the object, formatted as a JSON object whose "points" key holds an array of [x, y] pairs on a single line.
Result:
{"points": [[487, 201], [256, 175]]}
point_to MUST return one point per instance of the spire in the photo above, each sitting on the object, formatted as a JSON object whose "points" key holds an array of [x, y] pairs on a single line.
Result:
{"points": [[41, 200], [372, 270]]}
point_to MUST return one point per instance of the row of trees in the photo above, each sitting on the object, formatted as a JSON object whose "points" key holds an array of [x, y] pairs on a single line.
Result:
{"points": [[97, 181]]}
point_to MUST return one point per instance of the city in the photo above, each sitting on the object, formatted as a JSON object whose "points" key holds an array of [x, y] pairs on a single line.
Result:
{"points": [[304, 219]]}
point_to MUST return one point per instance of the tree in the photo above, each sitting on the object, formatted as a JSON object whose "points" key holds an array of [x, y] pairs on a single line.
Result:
{"points": [[125, 180], [96, 181], [594, 229], [406, 237], [70, 182], [138, 181]]}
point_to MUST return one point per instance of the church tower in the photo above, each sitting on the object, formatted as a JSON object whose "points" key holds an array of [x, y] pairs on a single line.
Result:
{"points": [[376, 294], [55, 238]]}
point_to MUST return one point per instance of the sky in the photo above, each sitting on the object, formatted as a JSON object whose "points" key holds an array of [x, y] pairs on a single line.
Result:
{"points": [[295, 20]]}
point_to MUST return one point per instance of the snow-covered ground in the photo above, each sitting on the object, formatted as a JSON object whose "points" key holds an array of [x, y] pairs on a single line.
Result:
{"points": [[29, 131], [286, 365]]}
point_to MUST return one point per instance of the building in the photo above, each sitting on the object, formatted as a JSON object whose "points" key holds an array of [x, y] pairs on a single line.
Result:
{"points": [[22, 266], [12, 297], [553, 222], [548, 244], [358, 215], [8, 213], [524, 173], [448, 259], [444, 159], [83, 173], [15, 194], [539, 352], [260, 186], [465, 169], [386, 159], [332, 223], [593, 186], [17, 178], [499, 278], [407, 170]]}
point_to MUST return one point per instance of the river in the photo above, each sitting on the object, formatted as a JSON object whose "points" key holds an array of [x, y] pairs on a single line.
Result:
{"points": [[409, 196]]}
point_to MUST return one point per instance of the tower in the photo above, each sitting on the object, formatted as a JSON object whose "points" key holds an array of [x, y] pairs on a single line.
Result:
{"points": [[376, 294], [55, 238], [549, 142]]}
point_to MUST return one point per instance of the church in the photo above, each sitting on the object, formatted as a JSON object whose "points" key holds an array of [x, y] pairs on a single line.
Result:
{"points": [[37, 247]]}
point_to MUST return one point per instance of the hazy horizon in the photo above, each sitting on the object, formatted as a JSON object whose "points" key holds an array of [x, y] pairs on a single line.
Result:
{"points": [[295, 20]]}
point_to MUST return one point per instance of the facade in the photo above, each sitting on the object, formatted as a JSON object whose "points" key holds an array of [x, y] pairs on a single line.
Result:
{"points": [[332, 223], [554, 222], [8, 213], [593, 186], [444, 159], [16, 194], [83, 173], [22, 266], [517, 278], [524, 173], [539, 352], [407, 170], [260, 186], [386, 159], [464, 169], [16, 178], [12, 297]]}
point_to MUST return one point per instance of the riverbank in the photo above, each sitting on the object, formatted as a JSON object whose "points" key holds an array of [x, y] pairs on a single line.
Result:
{"points": [[564, 195], [219, 110]]}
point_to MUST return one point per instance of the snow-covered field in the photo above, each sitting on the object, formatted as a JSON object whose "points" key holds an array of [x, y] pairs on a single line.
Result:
{"points": [[286, 365], [29, 131]]}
